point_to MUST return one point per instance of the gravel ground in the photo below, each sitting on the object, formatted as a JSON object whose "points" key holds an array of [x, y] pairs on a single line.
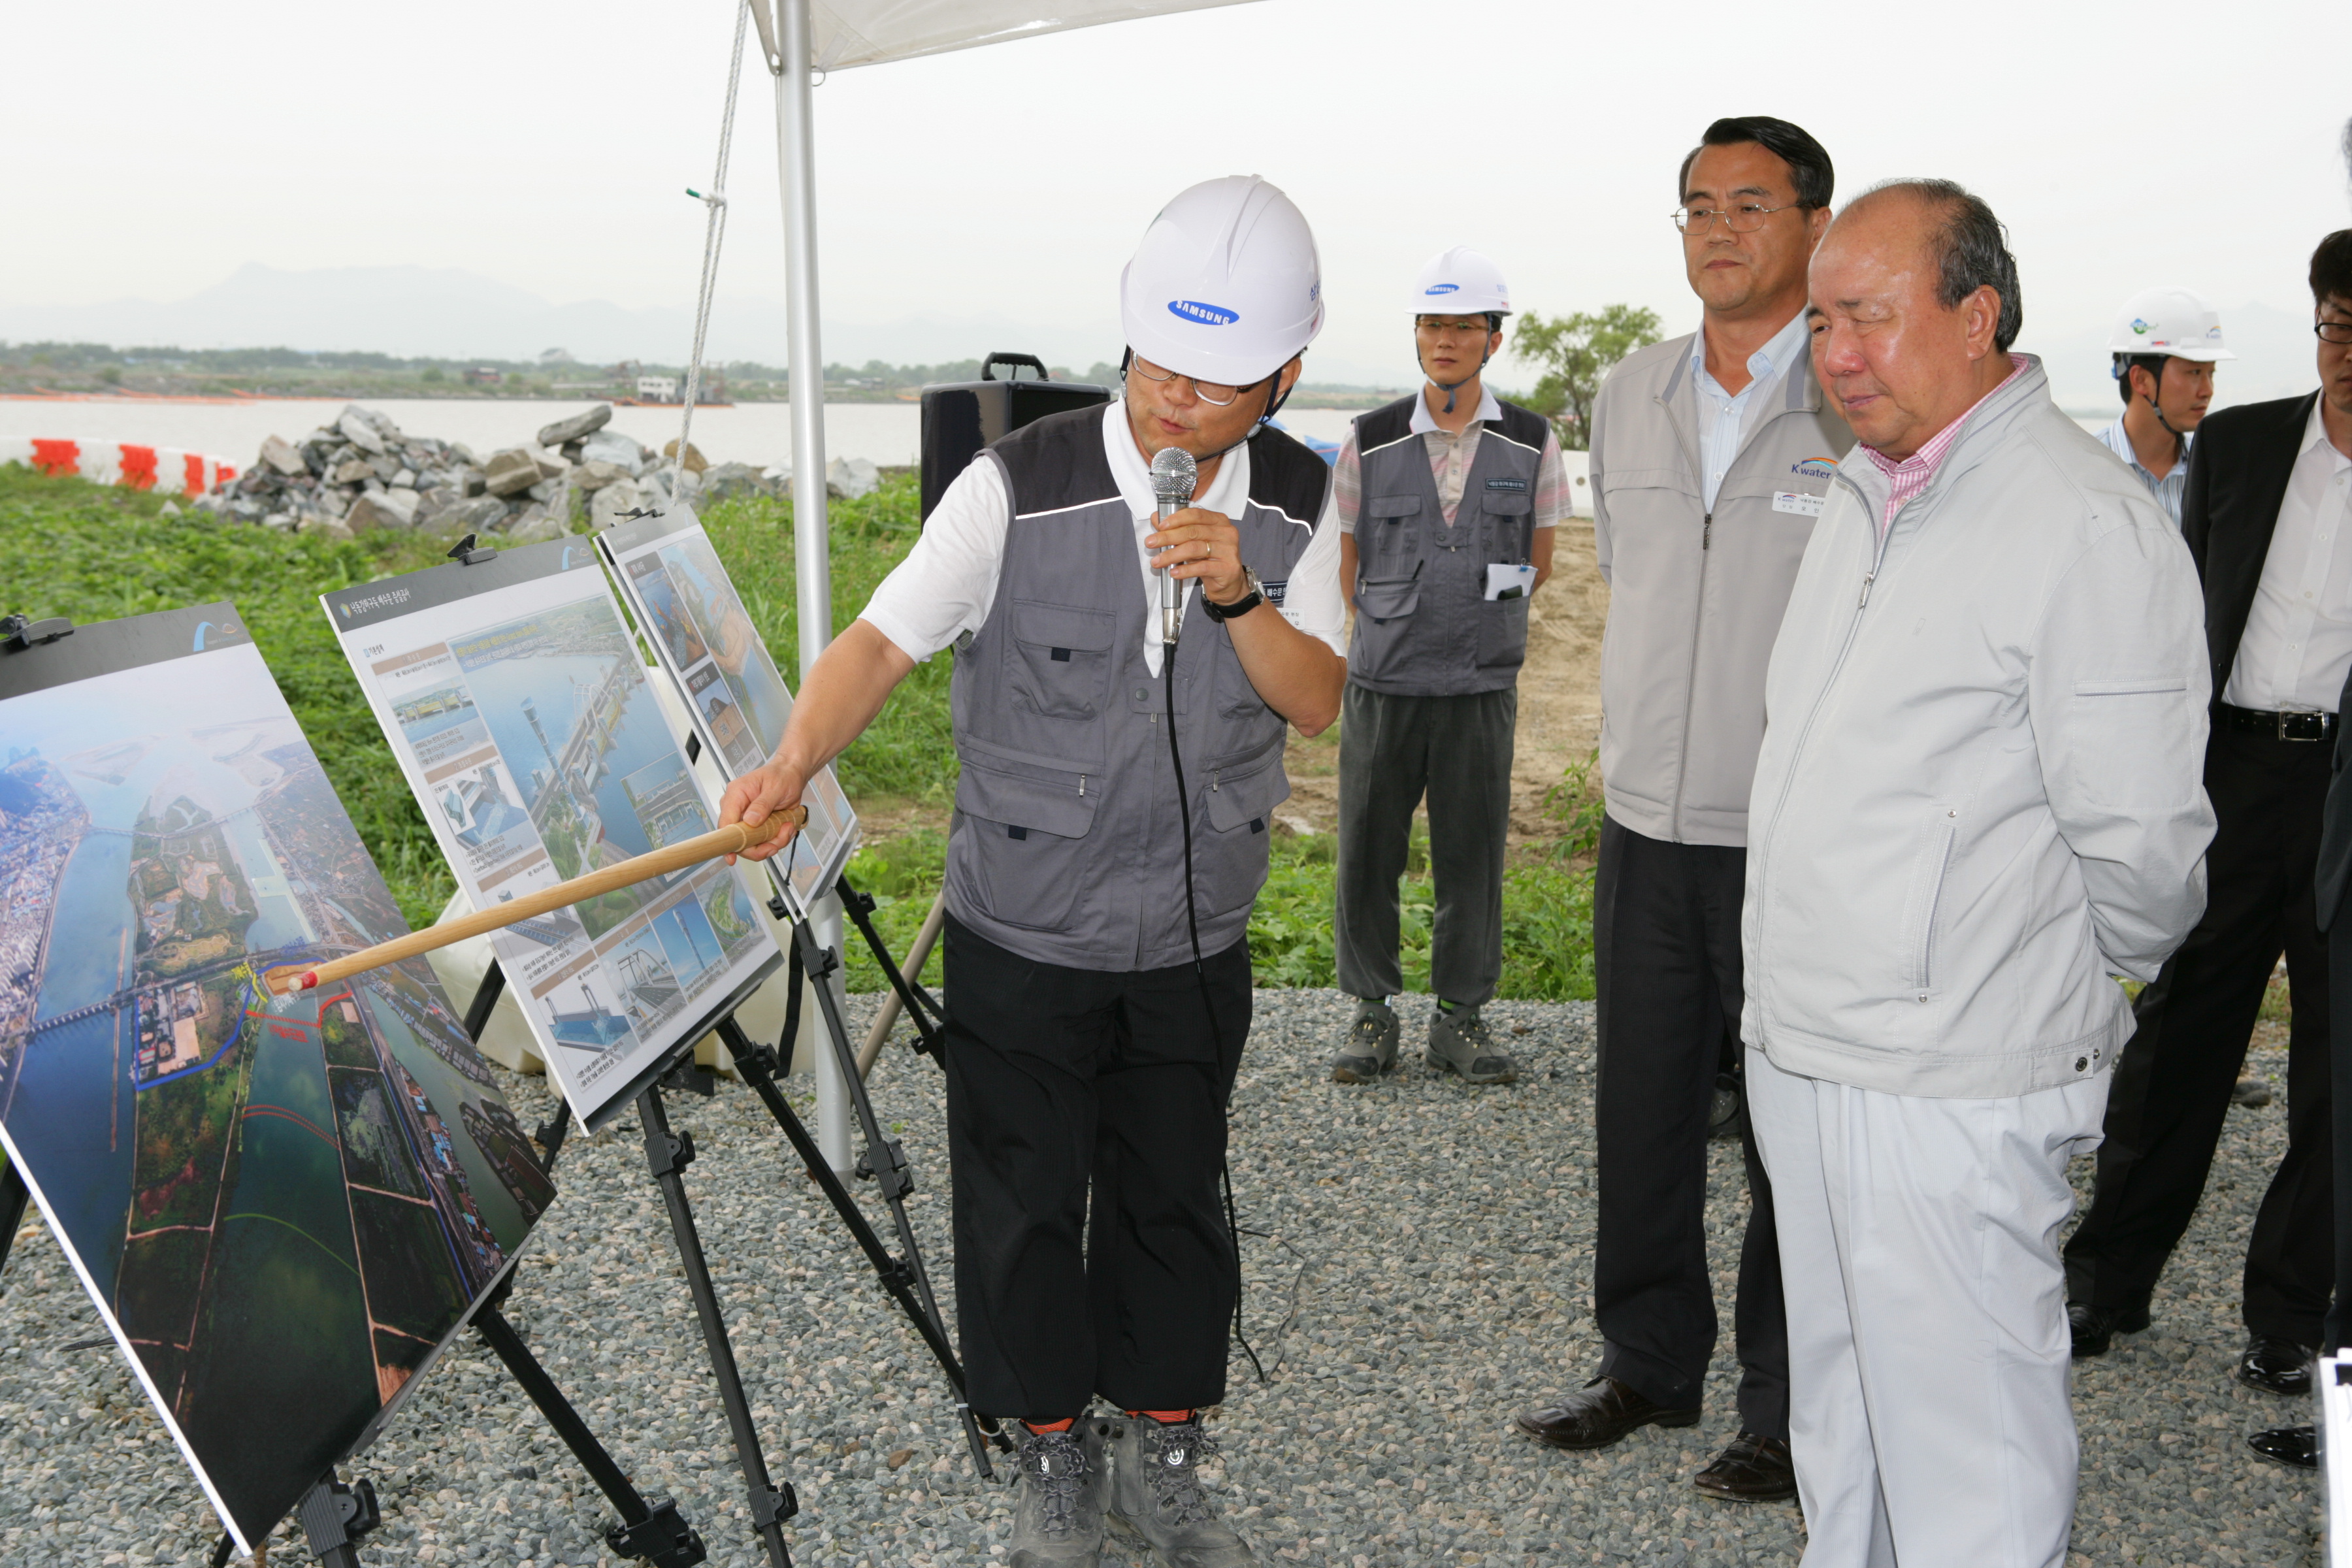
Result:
{"points": [[1424, 1271]]}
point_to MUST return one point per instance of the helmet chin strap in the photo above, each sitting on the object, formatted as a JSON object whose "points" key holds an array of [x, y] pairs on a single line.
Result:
{"points": [[2180, 438]]}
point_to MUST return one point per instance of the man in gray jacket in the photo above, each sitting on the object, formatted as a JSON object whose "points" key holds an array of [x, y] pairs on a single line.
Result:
{"points": [[1979, 799], [1710, 456]]}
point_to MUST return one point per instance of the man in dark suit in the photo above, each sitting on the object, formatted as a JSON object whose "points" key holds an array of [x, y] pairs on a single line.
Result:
{"points": [[2268, 517]]}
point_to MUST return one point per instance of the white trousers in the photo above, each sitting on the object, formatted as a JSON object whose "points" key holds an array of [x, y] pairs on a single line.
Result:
{"points": [[1928, 1342]]}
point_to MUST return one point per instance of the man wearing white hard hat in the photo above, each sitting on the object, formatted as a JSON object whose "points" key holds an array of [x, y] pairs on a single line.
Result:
{"points": [[2166, 343], [1447, 501], [1111, 836]]}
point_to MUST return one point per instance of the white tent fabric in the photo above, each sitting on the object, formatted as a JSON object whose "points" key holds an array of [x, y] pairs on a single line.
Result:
{"points": [[847, 33]]}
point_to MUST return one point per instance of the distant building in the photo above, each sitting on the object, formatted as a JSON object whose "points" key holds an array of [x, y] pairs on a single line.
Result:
{"points": [[657, 389], [557, 356], [483, 375]]}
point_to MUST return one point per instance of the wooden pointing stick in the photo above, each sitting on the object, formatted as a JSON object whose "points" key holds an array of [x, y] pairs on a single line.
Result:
{"points": [[732, 839]]}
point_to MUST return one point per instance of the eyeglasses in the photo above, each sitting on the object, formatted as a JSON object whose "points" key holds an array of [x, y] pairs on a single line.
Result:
{"points": [[1211, 391], [1745, 219], [1440, 326], [2333, 332]]}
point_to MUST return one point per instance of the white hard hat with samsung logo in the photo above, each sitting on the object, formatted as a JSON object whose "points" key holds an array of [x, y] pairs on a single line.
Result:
{"points": [[1226, 286], [2177, 322], [1460, 282]]}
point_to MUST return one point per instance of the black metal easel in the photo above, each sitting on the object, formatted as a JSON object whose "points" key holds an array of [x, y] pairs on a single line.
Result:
{"points": [[14, 1196], [901, 1276]]}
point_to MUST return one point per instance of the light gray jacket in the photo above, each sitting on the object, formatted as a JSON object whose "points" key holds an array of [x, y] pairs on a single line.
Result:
{"points": [[1981, 789], [1694, 598]]}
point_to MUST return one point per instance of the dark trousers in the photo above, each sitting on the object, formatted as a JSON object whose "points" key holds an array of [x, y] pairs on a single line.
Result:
{"points": [[1061, 1080], [2338, 1332], [1392, 750], [1666, 964], [2172, 1085]]}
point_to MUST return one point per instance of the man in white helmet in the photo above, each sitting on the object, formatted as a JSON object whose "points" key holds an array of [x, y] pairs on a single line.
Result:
{"points": [[1447, 501], [2165, 344], [1096, 960]]}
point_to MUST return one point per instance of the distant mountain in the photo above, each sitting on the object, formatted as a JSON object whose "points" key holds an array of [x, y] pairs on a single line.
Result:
{"points": [[2276, 358], [446, 314]]}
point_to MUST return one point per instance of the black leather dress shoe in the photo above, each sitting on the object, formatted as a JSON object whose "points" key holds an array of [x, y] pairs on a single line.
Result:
{"points": [[2277, 1366], [2095, 1328], [2297, 1446], [1752, 1469], [1596, 1415]]}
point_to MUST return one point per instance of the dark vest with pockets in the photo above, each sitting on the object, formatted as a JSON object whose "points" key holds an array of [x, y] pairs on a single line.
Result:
{"points": [[1423, 624], [1067, 846]]}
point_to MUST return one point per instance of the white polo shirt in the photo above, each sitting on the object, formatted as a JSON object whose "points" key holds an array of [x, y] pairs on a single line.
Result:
{"points": [[2297, 644], [947, 584]]}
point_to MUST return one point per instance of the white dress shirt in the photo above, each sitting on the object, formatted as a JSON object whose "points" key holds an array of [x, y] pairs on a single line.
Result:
{"points": [[947, 584], [2168, 489], [2297, 643], [1725, 422]]}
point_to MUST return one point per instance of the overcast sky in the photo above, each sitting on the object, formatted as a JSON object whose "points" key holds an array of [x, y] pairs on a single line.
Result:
{"points": [[548, 146]]}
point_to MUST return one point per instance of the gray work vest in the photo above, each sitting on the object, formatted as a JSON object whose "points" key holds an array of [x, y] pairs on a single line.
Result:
{"points": [[1423, 624], [1067, 846]]}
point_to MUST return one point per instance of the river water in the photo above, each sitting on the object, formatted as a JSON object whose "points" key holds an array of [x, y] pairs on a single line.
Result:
{"points": [[759, 433]]}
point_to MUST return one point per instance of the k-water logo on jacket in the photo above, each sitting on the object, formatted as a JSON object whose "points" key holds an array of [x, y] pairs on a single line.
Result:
{"points": [[1815, 468], [1202, 314]]}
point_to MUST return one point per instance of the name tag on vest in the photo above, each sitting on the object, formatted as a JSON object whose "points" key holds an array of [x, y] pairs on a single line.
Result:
{"points": [[1797, 503], [1275, 591]]}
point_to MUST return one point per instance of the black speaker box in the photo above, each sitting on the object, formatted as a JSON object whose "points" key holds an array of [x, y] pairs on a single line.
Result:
{"points": [[960, 417]]}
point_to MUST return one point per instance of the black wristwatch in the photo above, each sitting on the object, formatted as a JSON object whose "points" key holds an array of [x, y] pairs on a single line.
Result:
{"points": [[1241, 607]]}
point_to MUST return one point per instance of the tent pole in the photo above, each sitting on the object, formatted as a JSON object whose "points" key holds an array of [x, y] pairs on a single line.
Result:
{"points": [[812, 552]]}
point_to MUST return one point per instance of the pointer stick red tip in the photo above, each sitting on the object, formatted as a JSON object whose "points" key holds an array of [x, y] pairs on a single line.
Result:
{"points": [[309, 981]]}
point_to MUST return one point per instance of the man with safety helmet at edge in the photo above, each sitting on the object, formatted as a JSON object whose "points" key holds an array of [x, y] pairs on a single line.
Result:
{"points": [[1447, 499], [2166, 343], [1102, 869]]}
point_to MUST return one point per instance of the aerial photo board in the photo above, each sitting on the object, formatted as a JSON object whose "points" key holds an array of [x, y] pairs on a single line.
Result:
{"points": [[517, 704], [283, 1208], [705, 641]]}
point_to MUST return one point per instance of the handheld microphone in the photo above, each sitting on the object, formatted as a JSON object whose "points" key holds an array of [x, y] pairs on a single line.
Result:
{"points": [[1173, 475]]}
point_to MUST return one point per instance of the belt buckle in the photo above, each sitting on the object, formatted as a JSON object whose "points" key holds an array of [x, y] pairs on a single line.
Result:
{"points": [[2321, 726]]}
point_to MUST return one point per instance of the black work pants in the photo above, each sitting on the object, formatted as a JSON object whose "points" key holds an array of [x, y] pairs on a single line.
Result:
{"points": [[2336, 1333], [2172, 1086], [1667, 964], [1061, 1080]]}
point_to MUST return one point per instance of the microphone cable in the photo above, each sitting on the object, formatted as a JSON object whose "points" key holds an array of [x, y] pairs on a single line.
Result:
{"points": [[1208, 1005]]}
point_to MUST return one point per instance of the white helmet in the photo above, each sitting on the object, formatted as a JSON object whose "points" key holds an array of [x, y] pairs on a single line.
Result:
{"points": [[2176, 322], [1460, 282], [1226, 285]]}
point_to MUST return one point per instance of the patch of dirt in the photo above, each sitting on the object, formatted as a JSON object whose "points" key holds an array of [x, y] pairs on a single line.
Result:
{"points": [[1560, 700]]}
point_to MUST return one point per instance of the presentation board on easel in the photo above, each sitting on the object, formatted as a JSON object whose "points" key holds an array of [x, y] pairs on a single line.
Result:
{"points": [[283, 1208], [517, 705], [704, 641]]}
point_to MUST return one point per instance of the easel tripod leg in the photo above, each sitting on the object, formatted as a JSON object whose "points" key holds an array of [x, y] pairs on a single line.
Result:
{"points": [[667, 1156], [757, 1067], [14, 1195], [654, 1530], [885, 1159]]}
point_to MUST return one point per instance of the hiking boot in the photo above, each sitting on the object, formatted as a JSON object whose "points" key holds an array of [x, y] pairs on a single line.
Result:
{"points": [[1156, 1497], [1458, 1042], [1058, 1521], [1371, 1044]]}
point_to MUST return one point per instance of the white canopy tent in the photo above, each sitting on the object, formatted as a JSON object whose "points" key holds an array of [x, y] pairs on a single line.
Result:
{"points": [[799, 40]]}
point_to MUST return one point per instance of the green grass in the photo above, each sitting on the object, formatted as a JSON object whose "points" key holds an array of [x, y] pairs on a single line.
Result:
{"points": [[92, 553]]}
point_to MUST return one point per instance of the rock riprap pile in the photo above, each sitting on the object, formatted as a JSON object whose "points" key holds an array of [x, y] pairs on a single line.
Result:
{"points": [[362, 471]]}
